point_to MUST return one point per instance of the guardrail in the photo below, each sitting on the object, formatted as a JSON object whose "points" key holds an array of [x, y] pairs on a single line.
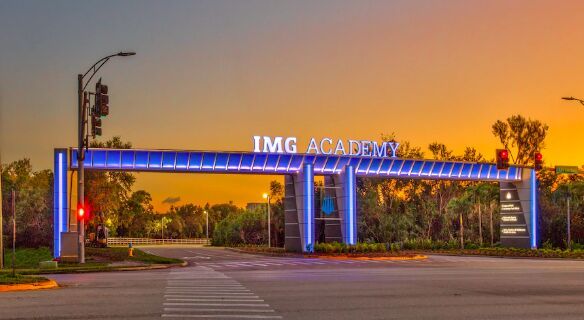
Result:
{"points": [[139, 241]]}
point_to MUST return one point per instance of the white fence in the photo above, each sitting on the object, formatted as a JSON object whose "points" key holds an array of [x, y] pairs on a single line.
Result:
{"points": [[139, 241]]}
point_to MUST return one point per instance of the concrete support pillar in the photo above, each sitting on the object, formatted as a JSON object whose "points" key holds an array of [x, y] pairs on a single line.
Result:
{"points": [[347, 202], [299, 210], [519, 211]]}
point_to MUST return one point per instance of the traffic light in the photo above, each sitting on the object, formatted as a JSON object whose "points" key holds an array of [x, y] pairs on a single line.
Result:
{"points": [[537, 160], [101, 108], [80, 213], [95, 126], [502, 159]]}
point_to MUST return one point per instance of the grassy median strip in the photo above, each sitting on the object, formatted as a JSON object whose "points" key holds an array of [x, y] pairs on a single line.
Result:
{"points": [[19, 279], [97, 259]]}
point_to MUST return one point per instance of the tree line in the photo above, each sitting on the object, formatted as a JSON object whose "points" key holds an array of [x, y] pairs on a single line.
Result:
{"points": [[390, 210]]}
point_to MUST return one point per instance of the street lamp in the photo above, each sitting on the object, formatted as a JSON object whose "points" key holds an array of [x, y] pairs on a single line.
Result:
{"points": [[574, 99], [267, 197], [81, 142], [207, 222]]}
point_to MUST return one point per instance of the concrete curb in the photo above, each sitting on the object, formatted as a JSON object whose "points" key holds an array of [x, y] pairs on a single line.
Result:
{"points": [[150, 267], [338, 257], [496, 256], [271, 254], [49, 284], [394, 258]]}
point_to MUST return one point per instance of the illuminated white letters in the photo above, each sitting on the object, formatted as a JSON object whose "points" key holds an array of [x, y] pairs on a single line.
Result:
{"points": [[352, 145], [393, 146], [256, 143], [273, 146], [330, 142], [379, 151], [312, 147], [364, 148], [340, 149], [290, 145]]}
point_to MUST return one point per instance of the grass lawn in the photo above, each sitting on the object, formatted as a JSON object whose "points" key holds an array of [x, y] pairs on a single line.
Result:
{"points": [[97, 259], [27, 257], [19, 279]]}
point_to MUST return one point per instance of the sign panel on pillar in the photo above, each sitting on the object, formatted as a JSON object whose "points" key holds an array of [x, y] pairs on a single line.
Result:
{"points": [[518, 208]]}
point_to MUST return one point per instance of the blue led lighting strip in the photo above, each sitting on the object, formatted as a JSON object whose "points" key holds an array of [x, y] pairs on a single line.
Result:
{"points": [[266, 163], [308, 174], [533, 210], [60, 207], [350, 205]]}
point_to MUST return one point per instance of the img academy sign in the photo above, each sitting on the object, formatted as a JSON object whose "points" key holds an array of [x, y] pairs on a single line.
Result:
{"points": [[364, 148]]}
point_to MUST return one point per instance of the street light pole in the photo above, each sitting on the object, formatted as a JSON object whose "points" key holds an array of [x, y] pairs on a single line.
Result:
{"points": [[1, 225], [574, 99], [569, 227], [267, 197], [81, 143], [80, 169], [13, 232], [207, 223]]}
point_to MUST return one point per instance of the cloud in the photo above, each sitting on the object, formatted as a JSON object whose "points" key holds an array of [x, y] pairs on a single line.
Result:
{"points": [[171, 200]]}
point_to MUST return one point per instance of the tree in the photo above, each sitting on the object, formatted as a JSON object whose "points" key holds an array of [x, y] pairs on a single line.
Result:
{"points": [[106, 193], [34, 203], [521, 136]]}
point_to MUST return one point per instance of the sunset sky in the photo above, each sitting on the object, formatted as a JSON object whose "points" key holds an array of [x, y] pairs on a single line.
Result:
{"points": [[208, 75]]}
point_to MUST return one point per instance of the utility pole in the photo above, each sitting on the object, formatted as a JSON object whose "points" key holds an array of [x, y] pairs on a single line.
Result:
{"points": [[13, 231], [80, 168], [1, 225], [461, 233], [267, 197], [207, 222], [81, 143], [568, 220]]}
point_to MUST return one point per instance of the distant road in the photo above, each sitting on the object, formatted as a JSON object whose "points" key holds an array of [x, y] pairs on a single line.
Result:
{"points": [[222, 284]]}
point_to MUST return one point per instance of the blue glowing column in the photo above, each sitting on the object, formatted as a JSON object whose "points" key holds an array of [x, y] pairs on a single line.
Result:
{"points": [[304, 189], [60, 205], [347, 203]]}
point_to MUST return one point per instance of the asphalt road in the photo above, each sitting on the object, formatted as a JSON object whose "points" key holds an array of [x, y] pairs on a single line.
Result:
{"points": [[222, 284]]}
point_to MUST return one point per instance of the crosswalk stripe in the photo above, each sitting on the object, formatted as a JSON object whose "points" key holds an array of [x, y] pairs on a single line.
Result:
{"points": [[220, 316], [218, 309]]}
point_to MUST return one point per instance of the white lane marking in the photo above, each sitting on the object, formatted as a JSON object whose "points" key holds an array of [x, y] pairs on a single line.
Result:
{"points": [[211, 300], [209, 287], [209, 290], [235, 316], [218, 309], [202, 292], [212, 296], [240, 288], [217, 304]]}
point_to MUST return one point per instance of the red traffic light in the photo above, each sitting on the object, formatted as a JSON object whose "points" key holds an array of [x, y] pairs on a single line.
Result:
{"points": [[81, 213], [538, 156], [502, 159], [537, 160]]}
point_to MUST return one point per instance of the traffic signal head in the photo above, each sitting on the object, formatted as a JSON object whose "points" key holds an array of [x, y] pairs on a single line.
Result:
{"points": [[95, 126], [537, 160], [502, 159], [101, 99], [80, 213]]}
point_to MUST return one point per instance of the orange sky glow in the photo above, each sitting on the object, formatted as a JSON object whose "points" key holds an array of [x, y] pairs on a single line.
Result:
{"points": [[209, 76]]}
